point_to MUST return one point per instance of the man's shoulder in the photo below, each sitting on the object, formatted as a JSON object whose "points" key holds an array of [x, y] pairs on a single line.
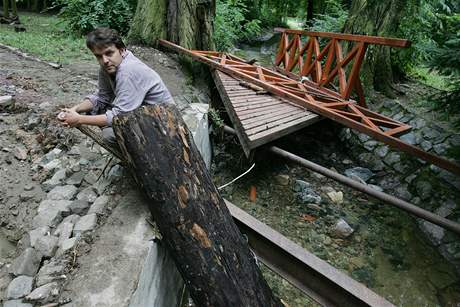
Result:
{"points": [[133, 65]]}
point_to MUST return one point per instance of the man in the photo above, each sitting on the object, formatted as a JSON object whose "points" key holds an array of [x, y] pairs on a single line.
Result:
{"points": [[125, 83]]}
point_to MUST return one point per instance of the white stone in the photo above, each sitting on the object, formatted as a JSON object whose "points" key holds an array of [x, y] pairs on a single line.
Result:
{"points": [[342, 229], [336, 197], [37, 233], [89, 194]]}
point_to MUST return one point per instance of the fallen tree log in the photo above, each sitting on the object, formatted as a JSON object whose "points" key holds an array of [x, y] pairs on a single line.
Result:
{"points": [[206, 245]]}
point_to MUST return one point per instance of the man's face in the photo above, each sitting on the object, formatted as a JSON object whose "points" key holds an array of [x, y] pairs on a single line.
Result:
{"points": [[109, 58]]}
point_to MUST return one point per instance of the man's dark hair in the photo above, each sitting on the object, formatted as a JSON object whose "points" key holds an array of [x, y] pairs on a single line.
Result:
{"points": [[104, 37]]}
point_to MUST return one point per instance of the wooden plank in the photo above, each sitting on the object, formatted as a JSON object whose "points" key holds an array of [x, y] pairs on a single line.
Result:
{"points": [[270, 110], [269, 119], [264, 137], [378, 40], [276, 123], [245, 109]]}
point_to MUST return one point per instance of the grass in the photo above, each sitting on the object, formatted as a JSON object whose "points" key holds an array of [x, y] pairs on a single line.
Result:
{"points": [[430, 78], [46, 37]]}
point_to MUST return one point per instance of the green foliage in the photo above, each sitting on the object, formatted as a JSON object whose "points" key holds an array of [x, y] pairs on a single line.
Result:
{"points": [[446, 60], [84, 16], [231, 25], [332, 20]]}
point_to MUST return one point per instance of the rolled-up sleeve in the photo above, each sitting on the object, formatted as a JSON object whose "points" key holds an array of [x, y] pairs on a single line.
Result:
{"points": [[104, 95], [129, 94]]}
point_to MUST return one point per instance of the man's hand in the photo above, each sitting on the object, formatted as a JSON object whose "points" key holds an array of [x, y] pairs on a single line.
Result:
{"points": [[69, 117]]}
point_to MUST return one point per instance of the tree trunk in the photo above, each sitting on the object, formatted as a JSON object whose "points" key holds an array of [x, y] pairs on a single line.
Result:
{"points": [[380, 18], [309, 12], [6, 9], [188, 23], [197, 228], [14, 8]]}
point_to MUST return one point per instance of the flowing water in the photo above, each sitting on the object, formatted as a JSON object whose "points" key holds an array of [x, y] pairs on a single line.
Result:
{"points": [[387, 251]]}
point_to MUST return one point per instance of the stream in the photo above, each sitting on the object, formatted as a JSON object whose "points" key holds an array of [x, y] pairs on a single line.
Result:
{"points": [[387, 251]]}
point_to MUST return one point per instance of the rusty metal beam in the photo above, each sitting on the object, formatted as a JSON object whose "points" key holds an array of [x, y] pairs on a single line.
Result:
{"points": [[313, 276], [389, 199], [308, 102]]}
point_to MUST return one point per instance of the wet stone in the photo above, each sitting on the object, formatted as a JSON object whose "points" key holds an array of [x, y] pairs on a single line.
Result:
{"points": [[430, 133], [392, 158], [363, 137], [401, 191], [19, 287], [363, 173], [375, 187], [370, 145], [424, 189], [44, 294], [336, 197], [440, 148], [27, 263], [342, 229], [409, 138], [382, 151], [282, 179], [66, 192], [434, 232], [305, 192], [454, 140], [426, 145]]}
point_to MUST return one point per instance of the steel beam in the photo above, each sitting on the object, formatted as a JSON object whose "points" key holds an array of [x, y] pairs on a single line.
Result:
{"points": [[313, 276]]}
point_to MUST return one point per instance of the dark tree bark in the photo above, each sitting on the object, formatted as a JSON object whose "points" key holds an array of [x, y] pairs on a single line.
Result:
{"points": [[6, 9], [380, 18], [188, 23], [309, 12], [14, 8], [208, 249]]}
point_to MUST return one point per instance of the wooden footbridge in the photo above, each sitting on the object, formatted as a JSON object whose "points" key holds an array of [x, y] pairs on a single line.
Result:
{"points": [[309, 82]]}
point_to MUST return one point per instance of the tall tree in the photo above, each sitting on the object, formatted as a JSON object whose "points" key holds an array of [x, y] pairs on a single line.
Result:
{"points": [[6, 9], [381, 18], [188, 23]]}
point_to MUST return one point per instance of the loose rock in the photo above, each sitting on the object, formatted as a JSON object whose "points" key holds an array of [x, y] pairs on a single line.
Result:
{"points": [[88, 195], [342, 229], [44, 294], [19, 287], [86, 223], [66, 192], [360, 172], [27, 263]]}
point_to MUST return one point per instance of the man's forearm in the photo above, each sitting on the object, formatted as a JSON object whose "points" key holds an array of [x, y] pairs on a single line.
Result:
{"points": [[94, 120], [84, 106]]}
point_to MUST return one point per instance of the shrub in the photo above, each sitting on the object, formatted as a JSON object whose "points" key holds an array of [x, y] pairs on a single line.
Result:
{"points": [[84, 16], [231, 25]]}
